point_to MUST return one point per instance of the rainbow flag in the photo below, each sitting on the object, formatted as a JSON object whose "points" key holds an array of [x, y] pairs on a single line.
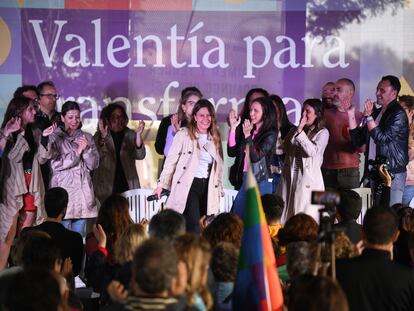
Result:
{"points": [[257, 285]]}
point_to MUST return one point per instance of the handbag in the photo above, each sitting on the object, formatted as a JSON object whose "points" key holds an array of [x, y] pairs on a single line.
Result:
{"points": [[260, 171]]}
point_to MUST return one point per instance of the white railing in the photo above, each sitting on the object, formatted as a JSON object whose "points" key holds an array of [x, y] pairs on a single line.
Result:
{"points": [[140, 208]]}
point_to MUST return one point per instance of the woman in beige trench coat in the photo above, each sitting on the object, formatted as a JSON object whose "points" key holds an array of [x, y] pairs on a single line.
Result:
{"points": [[193, 170]]}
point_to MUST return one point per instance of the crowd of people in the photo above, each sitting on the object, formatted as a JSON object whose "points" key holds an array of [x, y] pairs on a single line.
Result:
{"points": [[56, 179]]}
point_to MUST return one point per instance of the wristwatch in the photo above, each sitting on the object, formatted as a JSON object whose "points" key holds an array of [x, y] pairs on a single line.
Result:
{"points": [[369, 118]]}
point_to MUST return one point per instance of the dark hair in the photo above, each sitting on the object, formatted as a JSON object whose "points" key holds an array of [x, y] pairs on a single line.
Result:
{"points": [[224, 262], [300, 227], [69, 105], [15, 108], [300, 258], [269, 114], [350, 204], [154, 266], [40, 252], [245, 112], [185, 96], [192, 126], [192, 89], [56, 201], [24, 88], [408, 100], [316, 293], [273, 206], [226, 227], [379, 225], [285, 125], [43, 84], [349, 82], [394, 82], [108, 110], [319, 123], [33, 290], [167, 225]]}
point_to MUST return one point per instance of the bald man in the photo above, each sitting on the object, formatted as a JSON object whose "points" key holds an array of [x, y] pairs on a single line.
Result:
{"points": [[340, 167]]}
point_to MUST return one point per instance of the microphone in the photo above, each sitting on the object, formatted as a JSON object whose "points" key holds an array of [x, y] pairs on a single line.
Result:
{"points": [[155, 197]]}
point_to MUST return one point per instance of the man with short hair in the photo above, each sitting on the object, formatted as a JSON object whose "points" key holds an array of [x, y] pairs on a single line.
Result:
{"points": [[70, 242], [385, 134], [167, 225], [347, 212], [340, 168], [29, 91], [373, 281]]}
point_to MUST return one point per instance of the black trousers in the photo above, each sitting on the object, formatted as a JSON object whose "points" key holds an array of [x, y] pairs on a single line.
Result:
{"points": [[196, 205]]}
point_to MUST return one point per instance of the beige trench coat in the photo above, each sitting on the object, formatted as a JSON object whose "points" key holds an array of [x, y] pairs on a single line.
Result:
{"points": [[180, 167], [296, 186], [13, 183], [103, 176]]}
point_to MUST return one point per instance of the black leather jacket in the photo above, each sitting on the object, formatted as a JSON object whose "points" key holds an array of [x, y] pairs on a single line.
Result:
{"points": [[262, 145], [390, 137]]}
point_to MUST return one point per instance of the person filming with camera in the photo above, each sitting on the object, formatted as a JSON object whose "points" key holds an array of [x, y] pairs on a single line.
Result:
{"points": [[385, 133]]}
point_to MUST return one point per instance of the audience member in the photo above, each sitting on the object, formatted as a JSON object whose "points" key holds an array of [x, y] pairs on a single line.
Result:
{"points": [[273, 206], [193, 170], [195, 252], [347, 212], [406, 226], [226, 227], [283, 128], [316, 293], [344, 248], [236, 170], [22, 184], [300, 258], [167, 225], [302, 174], [385, 135], [119, 147], [69, 242], [73, 156], [340, 168], [372, 281]]}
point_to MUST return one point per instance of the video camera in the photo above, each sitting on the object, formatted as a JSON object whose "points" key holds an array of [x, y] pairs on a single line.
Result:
{"points": [[330, 199]]}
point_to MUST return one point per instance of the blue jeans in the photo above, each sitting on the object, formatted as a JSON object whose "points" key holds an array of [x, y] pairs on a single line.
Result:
{"points": [[265, 187], [408, 195], [77, 225], [397, 188]]}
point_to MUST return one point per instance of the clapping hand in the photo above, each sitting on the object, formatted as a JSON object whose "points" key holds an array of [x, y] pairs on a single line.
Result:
{"points": [[368, 107], [100, 235], [139, 131], [103, 129], [175, 123], [46, 132], [234, 120], [82, 144], [13, 125], [247, 128]]}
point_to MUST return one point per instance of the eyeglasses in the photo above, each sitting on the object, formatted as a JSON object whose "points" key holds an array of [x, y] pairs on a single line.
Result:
{"points": [[55, 96]]}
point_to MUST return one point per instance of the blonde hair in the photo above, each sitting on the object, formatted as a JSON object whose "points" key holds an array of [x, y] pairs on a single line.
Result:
{"points": [[213, 131], [128, 242], [195, 252]]}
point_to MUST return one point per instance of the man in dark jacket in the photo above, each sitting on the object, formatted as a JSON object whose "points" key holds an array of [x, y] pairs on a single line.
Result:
{"points": [[373, 281], [385, 132]]}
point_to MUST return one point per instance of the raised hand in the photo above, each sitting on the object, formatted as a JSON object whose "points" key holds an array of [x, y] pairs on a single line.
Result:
{"points": [[368, 107], [103, 129], [82, 144], [234, 120], [176, 124], [100, 235], [139, 131], [46, 132], [303, 121], [247, 128], [13, 125], [117, 291]]}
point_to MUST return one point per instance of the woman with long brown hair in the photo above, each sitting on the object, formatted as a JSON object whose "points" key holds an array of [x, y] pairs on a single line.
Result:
{"points": [[304, 147], [193, 170]]}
